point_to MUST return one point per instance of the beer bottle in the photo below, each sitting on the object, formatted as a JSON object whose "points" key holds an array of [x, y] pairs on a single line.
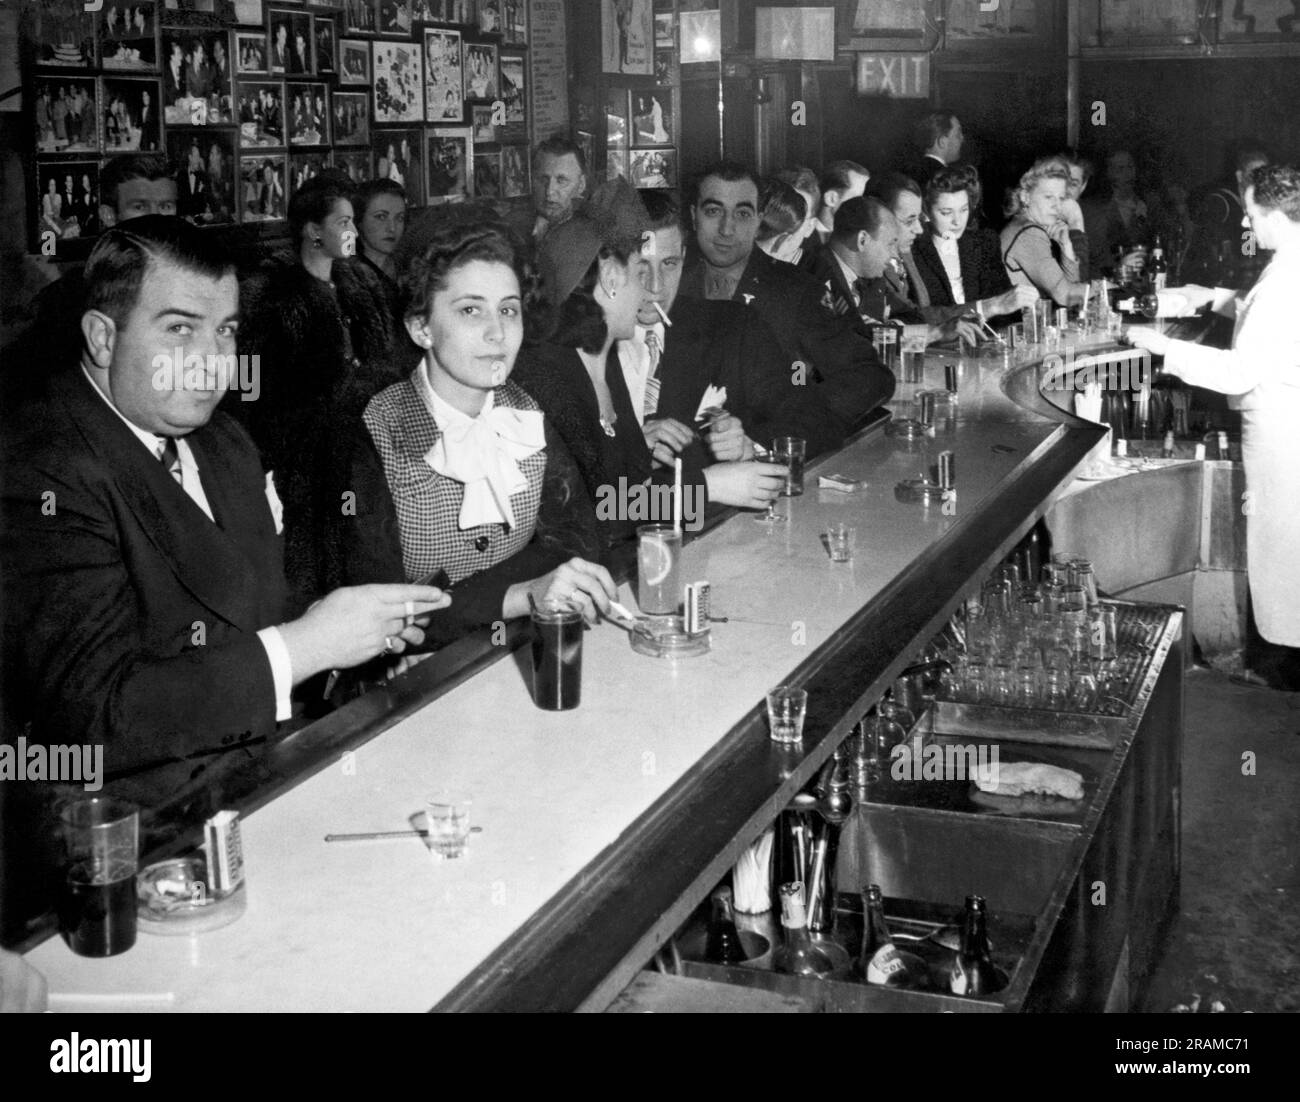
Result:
{"points": [[880, 962], [723, 944], [1159, 267], [973, 971], [798, 956]]}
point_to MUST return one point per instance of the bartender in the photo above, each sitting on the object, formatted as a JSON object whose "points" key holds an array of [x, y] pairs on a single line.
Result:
{"points": [[1261, 375]]}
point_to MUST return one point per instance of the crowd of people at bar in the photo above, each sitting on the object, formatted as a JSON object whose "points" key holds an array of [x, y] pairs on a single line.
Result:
{"points": [[440, 403]]}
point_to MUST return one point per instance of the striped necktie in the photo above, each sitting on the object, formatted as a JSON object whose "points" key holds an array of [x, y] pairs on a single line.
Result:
{"points": [[651, 404], [170, 458]]}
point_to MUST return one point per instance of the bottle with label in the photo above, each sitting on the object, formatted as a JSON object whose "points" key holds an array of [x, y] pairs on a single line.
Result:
{"points": [[723, 945], [798, 956], [1159, 268], [880, 961], [973, 971]]}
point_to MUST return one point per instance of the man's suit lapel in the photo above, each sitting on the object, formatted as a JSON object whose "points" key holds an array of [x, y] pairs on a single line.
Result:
{"points": [[211, 561]]}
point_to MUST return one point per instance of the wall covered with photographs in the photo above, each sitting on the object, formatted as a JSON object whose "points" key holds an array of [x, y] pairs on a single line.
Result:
{"points": [[251, 98]]}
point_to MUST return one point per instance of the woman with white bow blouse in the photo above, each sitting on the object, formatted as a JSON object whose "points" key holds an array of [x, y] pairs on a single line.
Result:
{"points": [[479, 484]]}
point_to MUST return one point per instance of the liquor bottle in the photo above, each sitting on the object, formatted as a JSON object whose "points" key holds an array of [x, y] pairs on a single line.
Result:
{"points": [[1159, 268], [1167, 449], [723, 945], [973, 971], [880, 962], [1147, 304], [798, 956]]}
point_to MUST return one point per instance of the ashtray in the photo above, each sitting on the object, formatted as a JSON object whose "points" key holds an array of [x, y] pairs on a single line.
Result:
{"points": [[908, 429], [172, 897], [667, 638], [923, 491]]}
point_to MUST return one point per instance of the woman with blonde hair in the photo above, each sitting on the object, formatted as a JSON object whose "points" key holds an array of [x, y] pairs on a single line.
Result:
{"points": [[1036, 246]]}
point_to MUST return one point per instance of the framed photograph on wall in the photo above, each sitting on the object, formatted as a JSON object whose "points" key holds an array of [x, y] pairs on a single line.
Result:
{"points": [[67, 114], [487, 174], [652, 117], [654, 168], [513, 69], [355, 163], [205, 174], [617, 128], [63, 33], [262, 192], [250, 13], [128, 37], [196, 78], [481, 123], [359, 16], [515, 171], [627, 36], [354, 61], [398, 82], [306, 110], [444, 92], [250, 53], [615, 163], [399, 156], [450, 156], [489, 17], [393, 18], [351, 118], [323, 28], [68, 206], [261, 114], [482, 80], [514, 19], [305, 166], [664, 30], [291, 43], [130, 108]]}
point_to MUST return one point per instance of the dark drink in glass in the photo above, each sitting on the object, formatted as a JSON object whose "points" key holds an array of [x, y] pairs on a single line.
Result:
{"points": [[97, 916], [557, 656]]}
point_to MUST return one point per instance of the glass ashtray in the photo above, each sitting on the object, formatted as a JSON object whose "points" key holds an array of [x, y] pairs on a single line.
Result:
{"points": [[172, 897], [667, 638]]}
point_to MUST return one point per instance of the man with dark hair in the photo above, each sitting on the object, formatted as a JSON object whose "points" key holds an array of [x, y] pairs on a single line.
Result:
{"points": [[1261, 376], [559, 183], [938, 138], [831, 354], [840, 181], [195, 193], [1218, 252], [141, 538]]}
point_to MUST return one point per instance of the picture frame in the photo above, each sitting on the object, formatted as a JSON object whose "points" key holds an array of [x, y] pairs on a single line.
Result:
{"points": [[627, 37], [444, 90], [260, 114], [514, 21], [482, 73], [290, 43], [63, 33], [399, 156], [263, 191], [205, 174], [484, 131], [653, 168], [615, 164], [450, 158], [512, 91], [489, 17], [67, 114], [251, 53], [196, 78], [487, 174], [398, 81], [664, 36], [1259, 21], [131, 114], [356, 163], [128, 38], [516, 171], [652, 117], [359, 16], [351, 118], [306, 113], [305, 166], [664, 61], [393, 18], [354, 61], [617, 125], [67, 205], [250, 13], [323, 29]]}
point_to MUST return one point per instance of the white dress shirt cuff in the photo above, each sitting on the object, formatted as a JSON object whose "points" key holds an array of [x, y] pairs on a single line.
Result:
{"points": [[281, 671]]}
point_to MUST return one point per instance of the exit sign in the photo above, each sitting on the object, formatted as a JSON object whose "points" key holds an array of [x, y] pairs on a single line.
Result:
{"points": [[903, 76]]}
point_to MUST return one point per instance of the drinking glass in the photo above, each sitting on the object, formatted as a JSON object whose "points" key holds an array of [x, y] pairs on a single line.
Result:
{"points": [[839, 542], [97, 905], [557, 656], [976, 687], [447, 817], [659, 569], [790, 451], [786, 709]]}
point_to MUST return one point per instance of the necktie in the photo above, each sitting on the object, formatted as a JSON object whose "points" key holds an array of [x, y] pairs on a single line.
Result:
{"points": [[651, 404], [170, 458]]}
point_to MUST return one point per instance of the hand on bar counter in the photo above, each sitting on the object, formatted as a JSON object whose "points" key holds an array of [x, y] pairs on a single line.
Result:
{"points": [[1010, 302], [968, 331]]}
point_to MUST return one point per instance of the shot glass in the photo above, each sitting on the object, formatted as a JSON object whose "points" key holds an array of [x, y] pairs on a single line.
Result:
{"points": [[790, 450], [840, 541], [447, 818], [97, 904], [786, 708]]}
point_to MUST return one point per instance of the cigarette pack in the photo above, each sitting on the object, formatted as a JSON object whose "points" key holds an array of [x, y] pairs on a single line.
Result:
{"points": [[225, 852]]}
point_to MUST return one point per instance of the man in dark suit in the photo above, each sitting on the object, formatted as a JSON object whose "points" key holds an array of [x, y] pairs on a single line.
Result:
{"points": [[193, 193], [938, 137], [831, 353], [174, 75], [146, 600]]}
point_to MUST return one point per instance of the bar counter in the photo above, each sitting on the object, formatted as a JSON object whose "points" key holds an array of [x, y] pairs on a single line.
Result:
{"points": [[604, 827]]}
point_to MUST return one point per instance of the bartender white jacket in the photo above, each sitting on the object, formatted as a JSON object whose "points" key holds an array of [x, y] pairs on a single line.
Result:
{"points": [[1261, 373]]}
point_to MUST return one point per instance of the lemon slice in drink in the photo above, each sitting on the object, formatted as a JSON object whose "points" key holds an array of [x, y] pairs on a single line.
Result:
{"points": [[656, 561]]}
